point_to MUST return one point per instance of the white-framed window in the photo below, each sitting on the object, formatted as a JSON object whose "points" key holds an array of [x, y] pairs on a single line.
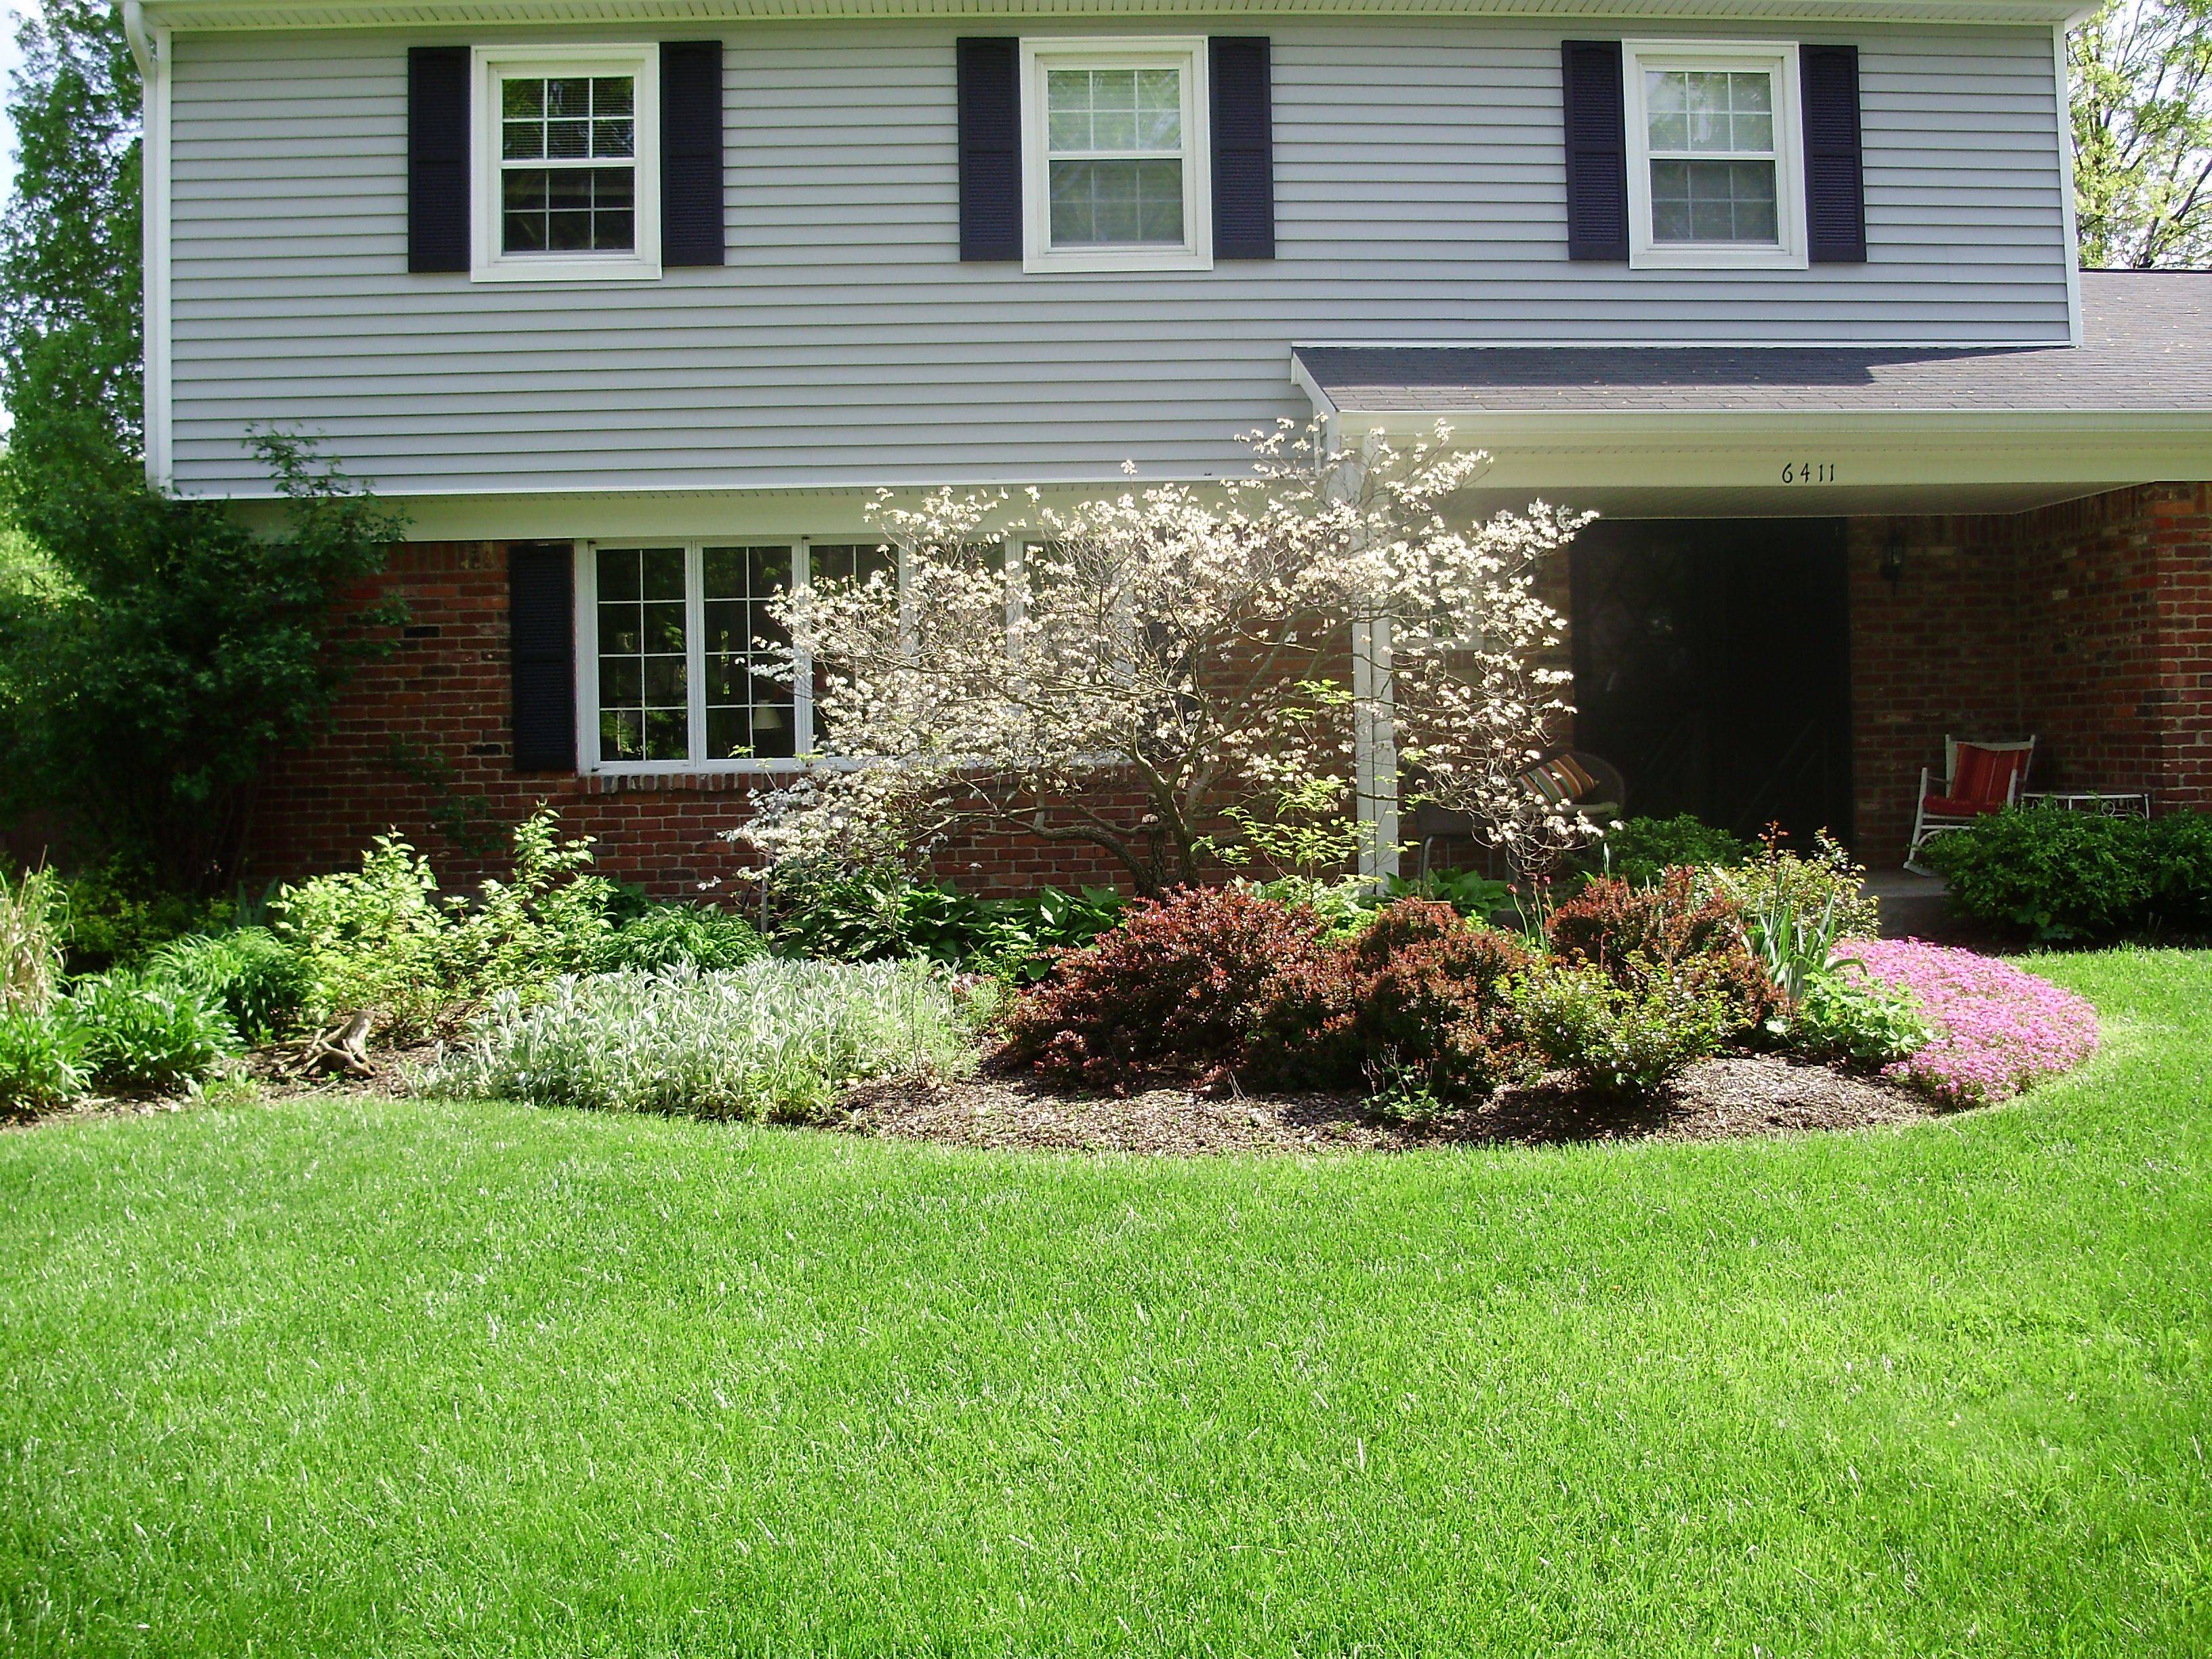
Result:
{"points": [[565, 147], [674, 639], [1715, 155], [1116, 169]]}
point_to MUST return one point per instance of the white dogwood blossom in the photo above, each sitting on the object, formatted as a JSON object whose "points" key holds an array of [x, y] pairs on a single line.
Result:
{"points": [[1145, 670]]}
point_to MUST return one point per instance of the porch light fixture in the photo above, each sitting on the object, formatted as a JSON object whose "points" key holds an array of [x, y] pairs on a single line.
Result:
{"points": [[1893, 562]]}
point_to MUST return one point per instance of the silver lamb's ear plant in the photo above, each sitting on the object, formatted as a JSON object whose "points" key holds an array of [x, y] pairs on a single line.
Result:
{"points": [[1141, 673]]}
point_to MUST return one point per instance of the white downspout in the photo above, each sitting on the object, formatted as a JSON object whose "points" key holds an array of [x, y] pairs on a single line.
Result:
{"points": [[150, 47]]}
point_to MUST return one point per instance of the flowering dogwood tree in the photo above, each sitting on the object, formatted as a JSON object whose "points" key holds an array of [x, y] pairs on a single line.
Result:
{"points": [[1159, 673]]}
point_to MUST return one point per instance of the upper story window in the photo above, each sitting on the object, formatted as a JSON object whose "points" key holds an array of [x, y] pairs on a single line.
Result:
{"points": [[1115, 156], [1714, 155], [567, 180]]}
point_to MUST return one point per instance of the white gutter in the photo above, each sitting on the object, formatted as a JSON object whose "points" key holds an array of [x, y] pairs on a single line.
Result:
{"points": [[348, 14], [150, 47]]}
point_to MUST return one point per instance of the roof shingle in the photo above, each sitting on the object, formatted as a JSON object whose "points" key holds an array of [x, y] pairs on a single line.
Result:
{"points": [[2146, 350]]}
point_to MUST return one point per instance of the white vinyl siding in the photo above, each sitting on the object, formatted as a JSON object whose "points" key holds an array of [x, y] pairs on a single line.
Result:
{"points": [[1419, 184]]}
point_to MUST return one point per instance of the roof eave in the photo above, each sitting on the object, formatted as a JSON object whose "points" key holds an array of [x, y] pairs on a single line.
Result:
{"points": [[244, 15]]}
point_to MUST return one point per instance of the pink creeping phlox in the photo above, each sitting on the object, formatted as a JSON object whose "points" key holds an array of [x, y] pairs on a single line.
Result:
{"points": [[1999, 1030]]}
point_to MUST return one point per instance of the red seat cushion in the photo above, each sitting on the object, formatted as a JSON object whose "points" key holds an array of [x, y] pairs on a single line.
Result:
{"points": [[1984, 779], [1951, 806]]}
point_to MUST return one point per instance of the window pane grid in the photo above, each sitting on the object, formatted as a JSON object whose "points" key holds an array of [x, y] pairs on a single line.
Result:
{"points": [[645, 708], [1712, 143], [683, 639], [841, 563], [557, 133], [1114, 150], [749, 715]]}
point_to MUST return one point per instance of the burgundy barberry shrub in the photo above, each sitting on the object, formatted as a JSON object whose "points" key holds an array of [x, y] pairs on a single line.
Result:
{"points": [[1421, 994], [1680, 930], [1178, 988]]}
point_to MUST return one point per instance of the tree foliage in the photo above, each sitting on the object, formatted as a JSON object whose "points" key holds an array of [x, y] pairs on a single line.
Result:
{"points": [[70, 312], [155, 652], [2141, 74], [1161, 674]]}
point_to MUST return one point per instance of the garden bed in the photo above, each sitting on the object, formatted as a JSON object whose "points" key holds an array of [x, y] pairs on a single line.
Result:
{"points": [[1717, 1099]]}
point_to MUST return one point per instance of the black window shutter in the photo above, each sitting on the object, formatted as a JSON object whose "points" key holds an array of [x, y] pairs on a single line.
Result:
{"points": [[541, 647], [1244, 147], [1597, 150], [990, 100], [691, 152], [437, 158], [1835, 173]]}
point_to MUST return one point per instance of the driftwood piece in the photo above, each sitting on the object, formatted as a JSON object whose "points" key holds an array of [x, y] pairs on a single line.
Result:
{"points": [[344, 1048]]}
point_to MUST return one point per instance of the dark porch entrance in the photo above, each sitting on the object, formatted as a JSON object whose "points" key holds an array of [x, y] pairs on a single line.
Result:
{"points": [[1712, 666]]}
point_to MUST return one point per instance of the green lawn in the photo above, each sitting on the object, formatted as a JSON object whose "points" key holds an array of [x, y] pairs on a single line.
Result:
{"points": [[405, 1377]]}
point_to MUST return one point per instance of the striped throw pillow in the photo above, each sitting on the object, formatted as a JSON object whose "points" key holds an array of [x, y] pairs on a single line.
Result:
{"points": [[1558, 780]]}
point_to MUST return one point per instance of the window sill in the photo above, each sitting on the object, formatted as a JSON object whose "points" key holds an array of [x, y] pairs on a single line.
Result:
{"points": [[567, 270], [1716, 258], [687, 782], [1090, 261]]}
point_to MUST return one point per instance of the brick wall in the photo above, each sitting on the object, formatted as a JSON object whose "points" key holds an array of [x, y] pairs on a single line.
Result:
{"points": [[2088, 625], [421, 744], [1933, 652]]}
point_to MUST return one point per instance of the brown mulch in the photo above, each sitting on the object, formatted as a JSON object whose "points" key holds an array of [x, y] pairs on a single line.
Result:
{"points": [[1717, 1099], [267, 1069]]}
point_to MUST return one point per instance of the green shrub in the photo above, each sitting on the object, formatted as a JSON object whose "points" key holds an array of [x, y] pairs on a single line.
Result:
{"points": [[1639, 851], [773, 1039], [119, 913], [682, 935], [42, 1060], [1344, 907], [1796, 911], [834, 913], [259, 981], [383, 937], [1617, 1039], [1475, 895], [2065, 875], [143, 1034], [1826, 884], [552, 918], [32, 924], [2181, 862], [376, 938], [1846, 1019]]}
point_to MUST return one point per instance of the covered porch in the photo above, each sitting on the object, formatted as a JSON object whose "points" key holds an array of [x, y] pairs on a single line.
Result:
{"points": [[1812, 565]]}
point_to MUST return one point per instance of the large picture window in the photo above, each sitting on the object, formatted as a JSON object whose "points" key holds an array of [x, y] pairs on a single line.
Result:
{"points": [[1114, 161], [674, 643], [566, 164], [1714, 154]]}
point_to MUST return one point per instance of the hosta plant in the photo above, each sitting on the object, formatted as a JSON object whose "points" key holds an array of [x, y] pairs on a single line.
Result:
{"points": [[142, 1033], [42, 1060]]}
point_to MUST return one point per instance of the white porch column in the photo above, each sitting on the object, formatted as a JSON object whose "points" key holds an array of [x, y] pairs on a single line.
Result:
{"points": [[1374, 748]]}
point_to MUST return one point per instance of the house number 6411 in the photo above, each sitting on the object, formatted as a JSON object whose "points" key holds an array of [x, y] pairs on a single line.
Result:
{"points": [[1808, 472]]}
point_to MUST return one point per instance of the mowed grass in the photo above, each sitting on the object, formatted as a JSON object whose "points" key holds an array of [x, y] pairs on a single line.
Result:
{"points": [[418, 1377]]}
